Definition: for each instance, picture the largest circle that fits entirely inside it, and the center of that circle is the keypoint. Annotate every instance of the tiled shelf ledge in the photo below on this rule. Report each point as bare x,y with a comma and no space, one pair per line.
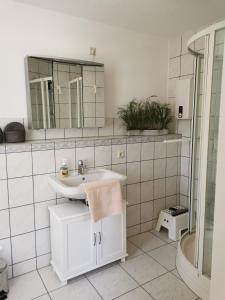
82,142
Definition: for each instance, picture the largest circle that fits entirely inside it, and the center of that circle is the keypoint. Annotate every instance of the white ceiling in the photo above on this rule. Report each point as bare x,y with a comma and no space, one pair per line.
159,17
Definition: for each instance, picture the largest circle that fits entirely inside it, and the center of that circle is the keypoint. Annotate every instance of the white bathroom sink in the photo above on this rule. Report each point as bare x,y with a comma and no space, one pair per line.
70,186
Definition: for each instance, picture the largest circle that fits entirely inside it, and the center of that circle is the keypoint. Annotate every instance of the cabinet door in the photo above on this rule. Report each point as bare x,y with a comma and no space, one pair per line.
81,245
111,240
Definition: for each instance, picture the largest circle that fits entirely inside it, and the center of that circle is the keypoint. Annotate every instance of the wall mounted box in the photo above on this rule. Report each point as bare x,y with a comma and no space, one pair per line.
184,98
79,245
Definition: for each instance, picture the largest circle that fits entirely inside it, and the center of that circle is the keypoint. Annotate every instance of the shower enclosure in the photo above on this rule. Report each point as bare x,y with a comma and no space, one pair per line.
194,256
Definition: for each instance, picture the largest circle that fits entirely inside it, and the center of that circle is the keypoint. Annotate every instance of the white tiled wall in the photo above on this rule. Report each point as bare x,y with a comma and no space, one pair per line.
181,65
151,167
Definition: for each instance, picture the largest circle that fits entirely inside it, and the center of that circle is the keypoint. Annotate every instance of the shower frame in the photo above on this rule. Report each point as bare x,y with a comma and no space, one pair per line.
193,275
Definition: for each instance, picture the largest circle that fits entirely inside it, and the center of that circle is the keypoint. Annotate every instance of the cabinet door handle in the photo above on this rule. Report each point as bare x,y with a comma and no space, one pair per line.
100,238
95,238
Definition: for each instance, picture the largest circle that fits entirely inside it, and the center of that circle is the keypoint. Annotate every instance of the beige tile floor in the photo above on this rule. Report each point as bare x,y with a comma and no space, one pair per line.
149,273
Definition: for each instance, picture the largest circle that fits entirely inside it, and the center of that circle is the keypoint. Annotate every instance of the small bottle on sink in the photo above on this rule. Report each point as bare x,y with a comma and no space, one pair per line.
64,171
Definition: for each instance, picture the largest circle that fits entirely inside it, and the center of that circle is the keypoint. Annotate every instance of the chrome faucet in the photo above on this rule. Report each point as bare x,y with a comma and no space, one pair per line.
80,167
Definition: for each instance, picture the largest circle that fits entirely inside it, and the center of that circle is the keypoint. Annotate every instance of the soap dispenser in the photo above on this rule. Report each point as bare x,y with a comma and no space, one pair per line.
64,171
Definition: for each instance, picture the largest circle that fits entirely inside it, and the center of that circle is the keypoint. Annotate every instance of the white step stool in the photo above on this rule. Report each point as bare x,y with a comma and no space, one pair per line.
174,224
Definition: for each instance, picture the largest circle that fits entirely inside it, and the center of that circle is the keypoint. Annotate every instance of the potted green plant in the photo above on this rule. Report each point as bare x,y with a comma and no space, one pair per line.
132,116
146,117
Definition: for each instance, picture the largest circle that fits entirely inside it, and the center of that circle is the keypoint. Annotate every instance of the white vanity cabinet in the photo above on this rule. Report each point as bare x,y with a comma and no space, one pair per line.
79,245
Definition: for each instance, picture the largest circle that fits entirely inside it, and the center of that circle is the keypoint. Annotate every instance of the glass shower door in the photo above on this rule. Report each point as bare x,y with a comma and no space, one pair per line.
195,155
212,150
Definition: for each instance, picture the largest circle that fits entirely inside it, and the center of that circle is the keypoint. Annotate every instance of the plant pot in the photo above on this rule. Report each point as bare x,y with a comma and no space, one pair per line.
133,132
155,132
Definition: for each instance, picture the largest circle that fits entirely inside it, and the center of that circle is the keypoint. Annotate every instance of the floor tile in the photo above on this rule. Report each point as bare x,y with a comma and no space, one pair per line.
80,289
162,234
137,294
143,268
174,244
50,278
133,250
26,287
166,256
44,297
168,287
146,241
176,274
112,282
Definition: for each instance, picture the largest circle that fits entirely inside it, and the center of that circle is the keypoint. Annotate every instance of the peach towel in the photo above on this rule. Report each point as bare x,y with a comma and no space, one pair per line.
104,198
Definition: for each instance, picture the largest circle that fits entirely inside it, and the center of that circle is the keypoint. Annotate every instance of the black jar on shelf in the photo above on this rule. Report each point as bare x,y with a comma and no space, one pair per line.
14,133
1,136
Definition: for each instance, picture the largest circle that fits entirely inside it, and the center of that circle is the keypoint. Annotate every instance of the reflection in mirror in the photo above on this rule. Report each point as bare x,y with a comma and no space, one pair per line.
65,94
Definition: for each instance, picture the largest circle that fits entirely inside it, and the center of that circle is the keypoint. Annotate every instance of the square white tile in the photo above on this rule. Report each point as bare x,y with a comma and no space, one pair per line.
162,234
133,193
116,149
171,185
22,219
4,224
26,287
87,155
160,150
146,191
19,164
42,214
103,156
43,241
133,172
80,289
133,215
166,256
147,226
133,230
147,170
44,297
43,260
159,188
171,166
146,241
133,152
24,267
3,174
143,268
42,189
50,279
132,250
4,194
171,149
90,122
23,247
168,287
43,162
20,191
171,200
54,133
147,151
137,294
146,211
112,282
159,168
